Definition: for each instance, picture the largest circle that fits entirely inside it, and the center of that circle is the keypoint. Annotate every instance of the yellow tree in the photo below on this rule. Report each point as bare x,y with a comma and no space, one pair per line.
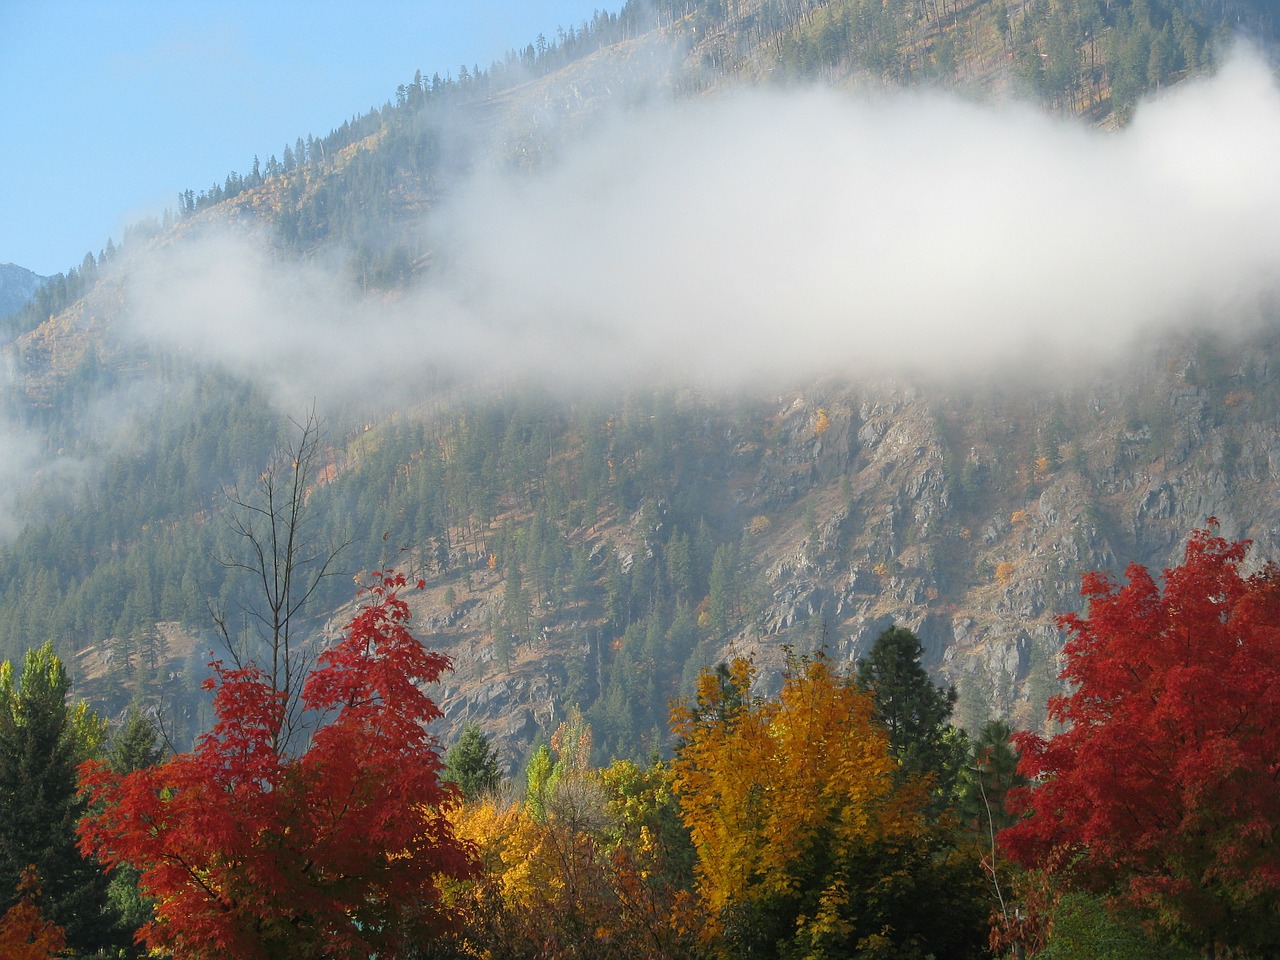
584,868
807,844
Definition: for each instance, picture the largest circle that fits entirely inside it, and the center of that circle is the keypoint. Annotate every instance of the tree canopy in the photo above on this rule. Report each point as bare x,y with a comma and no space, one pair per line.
337,851
808,842
1161,791
911,708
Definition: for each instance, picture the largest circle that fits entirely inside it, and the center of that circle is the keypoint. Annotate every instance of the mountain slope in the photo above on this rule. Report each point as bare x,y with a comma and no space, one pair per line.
598,546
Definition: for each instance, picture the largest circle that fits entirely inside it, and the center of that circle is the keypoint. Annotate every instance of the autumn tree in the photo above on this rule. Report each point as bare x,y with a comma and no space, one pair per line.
808,842
337,850
25,933
589,866
1161,791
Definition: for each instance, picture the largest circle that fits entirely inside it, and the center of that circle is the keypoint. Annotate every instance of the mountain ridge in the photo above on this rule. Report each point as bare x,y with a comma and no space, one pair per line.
18,286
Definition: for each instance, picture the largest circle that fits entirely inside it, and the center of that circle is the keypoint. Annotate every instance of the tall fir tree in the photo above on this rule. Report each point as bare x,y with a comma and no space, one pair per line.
912,710
42,741
473,763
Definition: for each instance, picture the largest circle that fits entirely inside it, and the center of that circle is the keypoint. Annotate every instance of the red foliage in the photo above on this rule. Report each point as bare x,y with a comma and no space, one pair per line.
1163,788
338,851
25,934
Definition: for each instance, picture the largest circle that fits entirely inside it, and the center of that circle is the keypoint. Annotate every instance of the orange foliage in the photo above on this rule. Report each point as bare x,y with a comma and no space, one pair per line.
768,788
25,934
1004,571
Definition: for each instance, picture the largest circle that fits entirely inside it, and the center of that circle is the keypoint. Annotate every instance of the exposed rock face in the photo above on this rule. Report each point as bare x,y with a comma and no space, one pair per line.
971,520
966,517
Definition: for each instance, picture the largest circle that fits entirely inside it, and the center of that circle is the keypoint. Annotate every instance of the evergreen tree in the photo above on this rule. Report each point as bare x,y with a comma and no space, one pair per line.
911,708
134,746
42,741
473,763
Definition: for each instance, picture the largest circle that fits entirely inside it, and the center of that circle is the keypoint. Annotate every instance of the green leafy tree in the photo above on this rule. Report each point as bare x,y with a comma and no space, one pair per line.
1085,928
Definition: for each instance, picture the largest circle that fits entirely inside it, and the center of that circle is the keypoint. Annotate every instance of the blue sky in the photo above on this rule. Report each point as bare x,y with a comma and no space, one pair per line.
109,109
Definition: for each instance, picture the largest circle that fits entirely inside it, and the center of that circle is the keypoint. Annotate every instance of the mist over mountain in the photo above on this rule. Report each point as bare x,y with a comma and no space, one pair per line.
708,331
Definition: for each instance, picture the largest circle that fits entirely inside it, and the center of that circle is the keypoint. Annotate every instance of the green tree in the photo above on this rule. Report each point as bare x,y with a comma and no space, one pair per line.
473,763
991,771
134,746
722,603
42,740
539,781
912,709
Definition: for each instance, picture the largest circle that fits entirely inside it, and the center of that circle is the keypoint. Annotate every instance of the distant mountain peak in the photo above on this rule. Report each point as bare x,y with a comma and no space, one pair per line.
17,286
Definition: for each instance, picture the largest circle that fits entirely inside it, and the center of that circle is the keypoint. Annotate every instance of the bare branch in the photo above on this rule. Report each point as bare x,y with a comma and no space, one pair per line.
286,565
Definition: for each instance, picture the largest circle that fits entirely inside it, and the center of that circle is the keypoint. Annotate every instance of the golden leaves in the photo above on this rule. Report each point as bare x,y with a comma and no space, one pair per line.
770,786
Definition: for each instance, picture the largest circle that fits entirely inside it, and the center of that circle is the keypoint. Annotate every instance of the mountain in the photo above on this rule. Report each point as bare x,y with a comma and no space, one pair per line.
17,287
495,293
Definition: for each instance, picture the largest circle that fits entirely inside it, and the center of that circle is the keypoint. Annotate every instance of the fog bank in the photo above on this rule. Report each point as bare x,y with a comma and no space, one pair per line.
782,235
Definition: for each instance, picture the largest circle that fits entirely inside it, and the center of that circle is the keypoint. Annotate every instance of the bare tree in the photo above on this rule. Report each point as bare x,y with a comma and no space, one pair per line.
287,561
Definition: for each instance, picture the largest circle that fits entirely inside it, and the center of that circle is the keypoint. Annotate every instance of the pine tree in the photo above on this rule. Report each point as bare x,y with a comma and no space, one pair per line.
912,709
473,763
42,741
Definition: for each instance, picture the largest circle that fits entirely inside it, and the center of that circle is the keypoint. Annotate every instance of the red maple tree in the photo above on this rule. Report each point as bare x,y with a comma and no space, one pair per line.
1164,789
339,851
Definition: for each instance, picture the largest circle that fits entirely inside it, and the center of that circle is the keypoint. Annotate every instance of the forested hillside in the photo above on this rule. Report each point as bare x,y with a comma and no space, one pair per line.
598,549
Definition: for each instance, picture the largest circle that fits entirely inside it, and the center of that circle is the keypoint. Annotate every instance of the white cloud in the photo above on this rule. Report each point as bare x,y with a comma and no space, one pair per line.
785,234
